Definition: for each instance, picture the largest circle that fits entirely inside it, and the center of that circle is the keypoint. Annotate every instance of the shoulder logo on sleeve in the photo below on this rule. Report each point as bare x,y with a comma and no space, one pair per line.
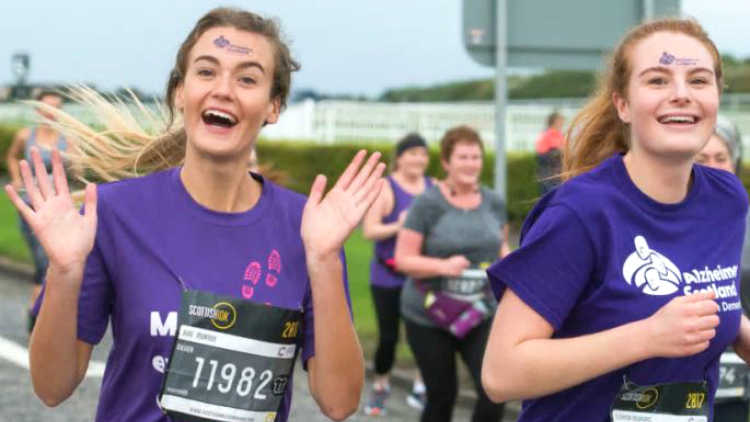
650,271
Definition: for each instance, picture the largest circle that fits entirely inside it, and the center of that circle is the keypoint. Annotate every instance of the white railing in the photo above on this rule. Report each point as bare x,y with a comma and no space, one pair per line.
348,121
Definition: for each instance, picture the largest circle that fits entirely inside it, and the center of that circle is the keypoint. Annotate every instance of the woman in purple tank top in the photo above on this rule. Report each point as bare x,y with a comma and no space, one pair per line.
381,224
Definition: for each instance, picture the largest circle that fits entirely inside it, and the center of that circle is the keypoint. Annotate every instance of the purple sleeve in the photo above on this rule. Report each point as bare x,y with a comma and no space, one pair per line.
308,334
552,268
96,296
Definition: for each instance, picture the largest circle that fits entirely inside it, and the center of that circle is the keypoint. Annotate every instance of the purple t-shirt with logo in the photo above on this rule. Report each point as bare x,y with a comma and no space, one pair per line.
598,253
150,232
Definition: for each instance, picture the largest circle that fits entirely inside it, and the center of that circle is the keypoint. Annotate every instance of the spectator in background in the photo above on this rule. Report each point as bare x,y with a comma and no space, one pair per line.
452,231
381,224
549,152
724,151
46,138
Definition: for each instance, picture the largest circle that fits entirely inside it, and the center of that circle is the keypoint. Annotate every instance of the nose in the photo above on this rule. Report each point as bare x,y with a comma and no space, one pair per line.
681,93
222,88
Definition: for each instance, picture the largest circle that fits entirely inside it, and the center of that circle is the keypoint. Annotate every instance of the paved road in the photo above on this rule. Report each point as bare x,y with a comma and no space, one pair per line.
19,404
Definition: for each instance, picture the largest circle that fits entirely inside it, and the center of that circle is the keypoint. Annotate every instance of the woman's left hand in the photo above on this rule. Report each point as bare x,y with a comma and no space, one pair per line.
327,221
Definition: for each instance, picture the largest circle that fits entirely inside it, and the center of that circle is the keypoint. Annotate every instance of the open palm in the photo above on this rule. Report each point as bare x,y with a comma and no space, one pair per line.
327,221
66,235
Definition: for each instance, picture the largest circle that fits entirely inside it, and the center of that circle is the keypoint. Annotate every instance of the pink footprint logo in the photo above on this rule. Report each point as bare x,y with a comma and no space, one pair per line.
247,291
252,272
274,261
271,280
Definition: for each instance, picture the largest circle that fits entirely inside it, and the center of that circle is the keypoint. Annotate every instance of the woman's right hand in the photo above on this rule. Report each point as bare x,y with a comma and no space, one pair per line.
455,265
66,235
684,326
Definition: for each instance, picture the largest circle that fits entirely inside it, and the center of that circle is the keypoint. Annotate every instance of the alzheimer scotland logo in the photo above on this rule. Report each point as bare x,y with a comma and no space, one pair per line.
654,274
650,271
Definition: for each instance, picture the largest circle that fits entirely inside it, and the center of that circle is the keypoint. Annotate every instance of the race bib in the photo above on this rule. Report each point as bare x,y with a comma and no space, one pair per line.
675,402
471,285
733,377
231,361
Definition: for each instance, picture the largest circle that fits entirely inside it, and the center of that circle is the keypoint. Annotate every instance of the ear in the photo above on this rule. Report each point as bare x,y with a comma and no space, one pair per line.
445,165
179,97
274,110
622,106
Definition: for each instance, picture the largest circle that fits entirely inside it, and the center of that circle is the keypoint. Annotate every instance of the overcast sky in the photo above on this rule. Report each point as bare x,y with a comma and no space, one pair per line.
345,46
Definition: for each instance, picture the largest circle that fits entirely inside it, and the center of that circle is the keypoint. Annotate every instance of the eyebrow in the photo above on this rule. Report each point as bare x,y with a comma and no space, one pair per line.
662,69
241,66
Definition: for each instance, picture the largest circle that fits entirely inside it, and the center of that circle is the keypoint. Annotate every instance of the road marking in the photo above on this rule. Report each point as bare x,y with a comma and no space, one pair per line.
19,355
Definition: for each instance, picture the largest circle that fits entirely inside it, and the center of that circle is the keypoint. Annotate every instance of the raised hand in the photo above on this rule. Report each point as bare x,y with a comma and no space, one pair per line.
327,221
684,326
66,235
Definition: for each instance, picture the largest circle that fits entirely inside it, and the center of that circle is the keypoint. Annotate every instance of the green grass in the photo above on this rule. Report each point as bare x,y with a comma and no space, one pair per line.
12,244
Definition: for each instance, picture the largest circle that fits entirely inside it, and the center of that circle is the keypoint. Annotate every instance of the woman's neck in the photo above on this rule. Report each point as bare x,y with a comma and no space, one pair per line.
224,187
664,180
460,189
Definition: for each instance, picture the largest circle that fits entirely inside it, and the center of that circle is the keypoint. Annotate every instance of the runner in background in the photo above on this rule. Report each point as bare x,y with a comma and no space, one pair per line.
45,138
250,272
724,151
623,294
381,224
549,153
451,233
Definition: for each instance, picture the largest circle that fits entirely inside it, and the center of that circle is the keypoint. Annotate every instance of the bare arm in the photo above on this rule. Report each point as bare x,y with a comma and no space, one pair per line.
373,227
58,359
336,373
409,258
12,158
522,360
742,343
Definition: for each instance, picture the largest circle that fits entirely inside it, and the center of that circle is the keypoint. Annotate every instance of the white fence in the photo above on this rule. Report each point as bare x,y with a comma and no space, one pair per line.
344,121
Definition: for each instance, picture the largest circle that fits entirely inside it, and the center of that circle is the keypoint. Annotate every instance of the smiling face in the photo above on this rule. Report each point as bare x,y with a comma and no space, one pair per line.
225,98
672,96
413,162
465,164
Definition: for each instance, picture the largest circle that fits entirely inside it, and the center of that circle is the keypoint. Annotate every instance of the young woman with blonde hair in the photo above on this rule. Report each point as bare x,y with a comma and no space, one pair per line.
623,294
211,277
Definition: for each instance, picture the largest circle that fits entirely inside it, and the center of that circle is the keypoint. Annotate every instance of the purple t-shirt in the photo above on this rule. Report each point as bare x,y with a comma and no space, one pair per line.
150,231
598,253
380,274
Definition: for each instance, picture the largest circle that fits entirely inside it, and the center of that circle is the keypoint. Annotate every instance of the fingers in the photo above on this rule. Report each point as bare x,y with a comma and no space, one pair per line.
89,203
42,178
373,193
316,190
351,170
697,297
362,194
58,174
365,173
28,182
21,206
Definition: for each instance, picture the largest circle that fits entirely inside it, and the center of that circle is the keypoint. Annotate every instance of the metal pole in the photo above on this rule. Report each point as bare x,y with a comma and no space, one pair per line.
501,96
648,10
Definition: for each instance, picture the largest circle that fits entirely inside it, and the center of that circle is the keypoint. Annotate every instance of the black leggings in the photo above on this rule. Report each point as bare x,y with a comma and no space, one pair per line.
388,310
435,351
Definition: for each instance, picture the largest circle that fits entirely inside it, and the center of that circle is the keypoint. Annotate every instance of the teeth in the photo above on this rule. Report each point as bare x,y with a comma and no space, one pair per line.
678,119
219,114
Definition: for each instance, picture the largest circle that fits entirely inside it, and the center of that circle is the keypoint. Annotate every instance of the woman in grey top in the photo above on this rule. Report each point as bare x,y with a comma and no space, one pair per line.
451,233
